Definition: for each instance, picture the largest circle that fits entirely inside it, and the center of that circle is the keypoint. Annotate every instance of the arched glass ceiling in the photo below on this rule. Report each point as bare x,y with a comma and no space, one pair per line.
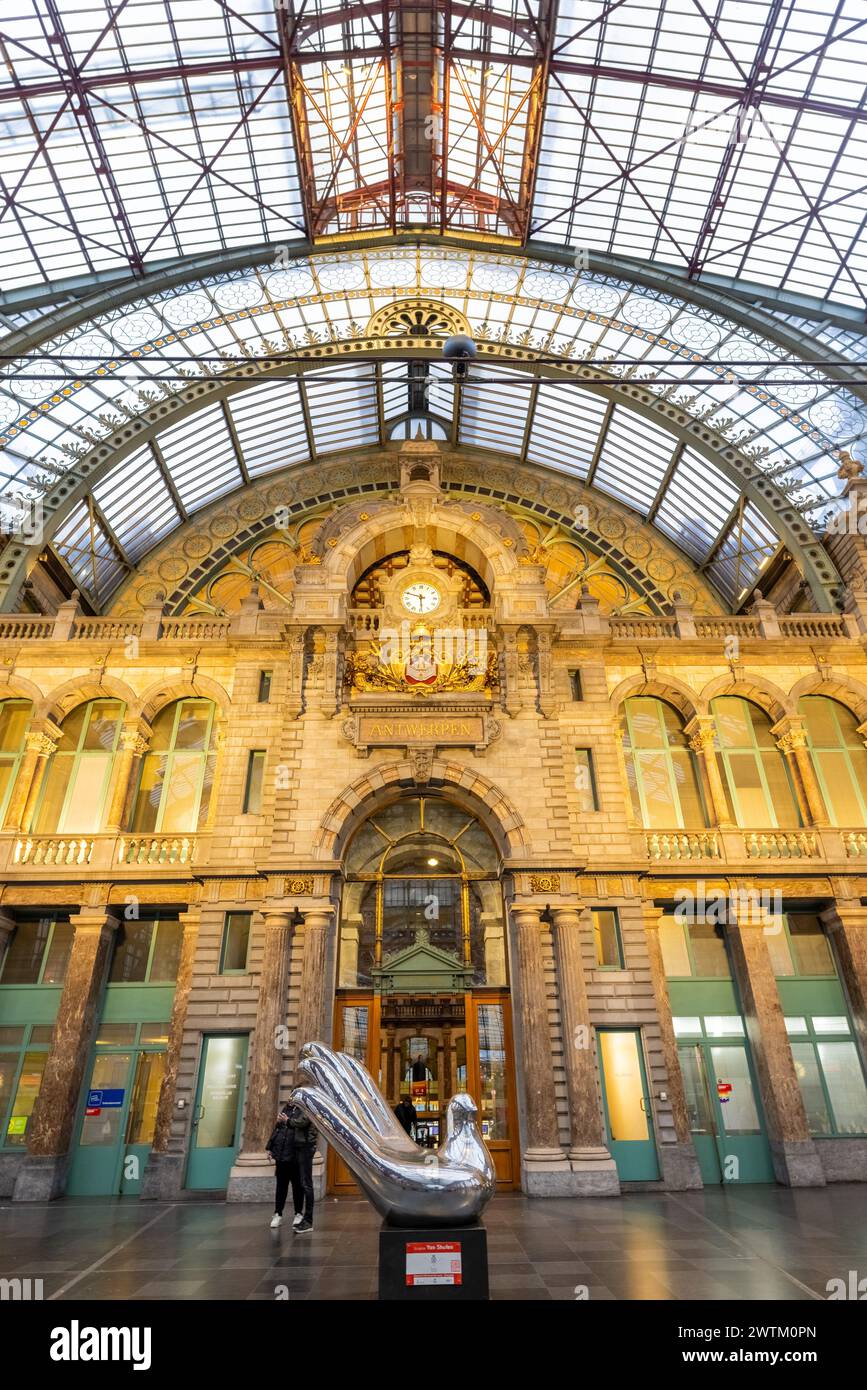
724,140
79,386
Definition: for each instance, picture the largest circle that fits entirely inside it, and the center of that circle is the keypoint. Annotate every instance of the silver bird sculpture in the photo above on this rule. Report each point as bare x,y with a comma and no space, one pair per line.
407,1185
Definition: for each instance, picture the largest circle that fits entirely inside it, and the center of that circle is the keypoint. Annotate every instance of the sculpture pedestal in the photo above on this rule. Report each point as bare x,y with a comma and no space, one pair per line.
447,1264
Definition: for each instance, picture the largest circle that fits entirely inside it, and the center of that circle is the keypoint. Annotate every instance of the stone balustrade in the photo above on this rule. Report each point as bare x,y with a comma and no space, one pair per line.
101,852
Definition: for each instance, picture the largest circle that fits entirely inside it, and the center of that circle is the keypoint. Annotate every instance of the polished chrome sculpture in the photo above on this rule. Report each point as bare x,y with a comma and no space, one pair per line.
407,1185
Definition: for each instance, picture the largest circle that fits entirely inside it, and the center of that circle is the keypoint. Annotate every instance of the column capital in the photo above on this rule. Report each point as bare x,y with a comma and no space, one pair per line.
701,732
653,915
568,917
90,918
526,915
318,916
845,914
135,736
790,732
276,918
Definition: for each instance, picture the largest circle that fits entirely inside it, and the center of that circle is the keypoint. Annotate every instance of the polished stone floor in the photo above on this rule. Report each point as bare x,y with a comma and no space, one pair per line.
754,1243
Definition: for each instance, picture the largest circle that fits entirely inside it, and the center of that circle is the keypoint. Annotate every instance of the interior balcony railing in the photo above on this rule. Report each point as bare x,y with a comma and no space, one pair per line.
111,853
733,846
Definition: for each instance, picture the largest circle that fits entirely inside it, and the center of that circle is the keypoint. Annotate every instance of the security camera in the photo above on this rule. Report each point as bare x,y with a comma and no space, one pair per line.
460,351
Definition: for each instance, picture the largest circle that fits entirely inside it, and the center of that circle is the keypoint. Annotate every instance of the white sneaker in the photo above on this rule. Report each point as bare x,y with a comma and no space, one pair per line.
276,1220
298,1218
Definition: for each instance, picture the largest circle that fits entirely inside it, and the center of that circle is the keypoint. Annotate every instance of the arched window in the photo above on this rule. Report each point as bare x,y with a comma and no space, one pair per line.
661,767
14,718
839,757
75,786
177,773
753,770
422,870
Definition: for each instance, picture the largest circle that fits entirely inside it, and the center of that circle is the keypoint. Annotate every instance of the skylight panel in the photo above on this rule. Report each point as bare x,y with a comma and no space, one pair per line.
633,460
137,504
696,504
565,429
200,458
269,423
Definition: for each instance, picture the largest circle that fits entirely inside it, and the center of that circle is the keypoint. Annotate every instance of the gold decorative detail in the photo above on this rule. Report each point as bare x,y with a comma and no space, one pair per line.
41,744
372,671
544,883
301,884
364,516
426,318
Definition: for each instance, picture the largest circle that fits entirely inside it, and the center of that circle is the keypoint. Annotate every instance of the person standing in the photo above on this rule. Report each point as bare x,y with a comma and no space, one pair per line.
292,1146
406,1115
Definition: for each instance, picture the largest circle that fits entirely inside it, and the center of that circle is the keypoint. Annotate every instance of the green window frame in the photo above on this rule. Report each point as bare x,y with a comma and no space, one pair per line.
164,941
607,939
585,780
254,781
236,927
846,757
811,1052
654,743
56,949
169,765
15,718
784,950
685,946
760,752
29,1049
60,808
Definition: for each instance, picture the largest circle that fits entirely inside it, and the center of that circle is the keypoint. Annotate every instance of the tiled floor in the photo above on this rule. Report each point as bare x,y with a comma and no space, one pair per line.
756,1243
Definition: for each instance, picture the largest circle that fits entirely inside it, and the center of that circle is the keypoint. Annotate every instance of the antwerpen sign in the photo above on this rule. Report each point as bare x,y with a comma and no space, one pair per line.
390,728
376,730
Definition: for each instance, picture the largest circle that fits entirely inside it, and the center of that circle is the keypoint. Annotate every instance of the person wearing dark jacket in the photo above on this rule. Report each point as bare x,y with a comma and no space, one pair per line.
406,1115
292,1146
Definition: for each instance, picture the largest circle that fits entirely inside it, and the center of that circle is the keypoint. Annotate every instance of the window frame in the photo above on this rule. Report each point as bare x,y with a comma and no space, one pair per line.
155,922
814,1037
591,771
38,983
833,974
618,938
15,757
169,754
694,975
23,1049
724,752
224,941
252,755
78,755
842,747
633,754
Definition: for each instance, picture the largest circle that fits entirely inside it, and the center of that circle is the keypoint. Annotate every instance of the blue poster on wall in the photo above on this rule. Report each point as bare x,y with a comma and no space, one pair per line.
105,1100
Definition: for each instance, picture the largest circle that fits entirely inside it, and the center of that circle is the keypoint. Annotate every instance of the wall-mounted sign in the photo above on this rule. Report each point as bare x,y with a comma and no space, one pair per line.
105,1100
724,1091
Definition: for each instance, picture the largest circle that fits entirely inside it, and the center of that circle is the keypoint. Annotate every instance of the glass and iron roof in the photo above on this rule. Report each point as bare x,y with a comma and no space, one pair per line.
707,147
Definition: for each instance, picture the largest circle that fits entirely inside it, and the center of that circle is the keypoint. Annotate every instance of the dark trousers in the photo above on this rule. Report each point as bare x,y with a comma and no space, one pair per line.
297,1171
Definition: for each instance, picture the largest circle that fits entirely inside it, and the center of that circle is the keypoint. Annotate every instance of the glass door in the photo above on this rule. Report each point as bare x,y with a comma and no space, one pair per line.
491,1080
354,1034
141,1119
702,1113
741,1143
216,1129
96,1163
627,1105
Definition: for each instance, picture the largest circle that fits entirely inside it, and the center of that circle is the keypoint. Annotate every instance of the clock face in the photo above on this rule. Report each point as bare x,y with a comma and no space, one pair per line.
420,598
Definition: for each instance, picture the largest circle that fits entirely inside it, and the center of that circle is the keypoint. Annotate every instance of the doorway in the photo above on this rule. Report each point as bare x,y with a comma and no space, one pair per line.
425,1048
727,1130
627,1104
216,1124
119,1108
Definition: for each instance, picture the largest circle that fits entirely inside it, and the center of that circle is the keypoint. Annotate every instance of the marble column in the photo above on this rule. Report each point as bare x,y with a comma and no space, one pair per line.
846,924
794,1153
252,1175
592,1164
791,739
164,1172
313,1025
546,1169
39,744
42,1176
701,731
133,744
679,1160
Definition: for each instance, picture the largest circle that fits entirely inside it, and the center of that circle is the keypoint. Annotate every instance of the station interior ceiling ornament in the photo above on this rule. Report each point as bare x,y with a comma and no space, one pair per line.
235,239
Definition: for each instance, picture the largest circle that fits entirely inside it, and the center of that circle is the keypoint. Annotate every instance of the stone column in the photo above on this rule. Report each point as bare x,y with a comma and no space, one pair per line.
39,744
164,1172
679,1161
42,1176
592,1164
315,991
701,731
134,740
546,1169
846,923
795,1156
791,739
252,1175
